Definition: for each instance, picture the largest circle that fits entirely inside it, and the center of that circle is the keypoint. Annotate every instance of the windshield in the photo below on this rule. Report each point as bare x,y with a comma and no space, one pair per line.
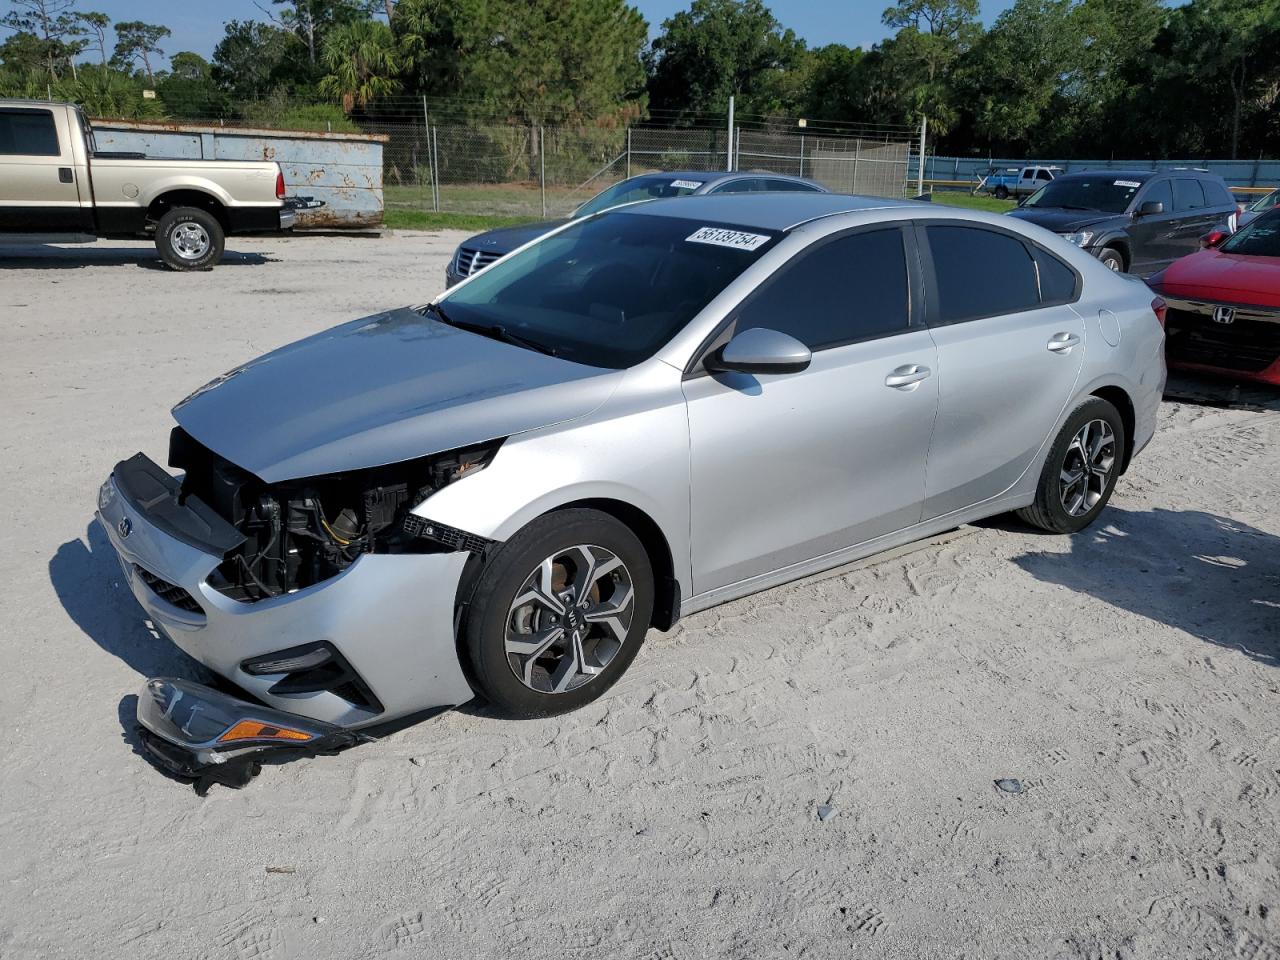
1107,193
647,187
1259,239
1265,203
609,291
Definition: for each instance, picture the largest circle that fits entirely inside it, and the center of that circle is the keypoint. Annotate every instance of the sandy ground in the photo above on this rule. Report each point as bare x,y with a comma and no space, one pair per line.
1128,676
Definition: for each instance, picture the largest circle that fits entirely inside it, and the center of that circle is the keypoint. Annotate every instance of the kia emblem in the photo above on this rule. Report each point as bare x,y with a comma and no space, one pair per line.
125,526
1224,315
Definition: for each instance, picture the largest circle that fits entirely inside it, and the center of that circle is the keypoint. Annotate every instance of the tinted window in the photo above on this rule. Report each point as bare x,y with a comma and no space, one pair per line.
1160,192
789,185
847,289
1106,192
746,185
1259,239
1216,194
28,133
644,187
1043,175
1266,202
1187,194
1057,280
609,291
981,273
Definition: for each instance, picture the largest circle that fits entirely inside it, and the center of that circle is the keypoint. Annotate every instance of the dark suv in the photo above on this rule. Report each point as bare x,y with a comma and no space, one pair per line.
1133,221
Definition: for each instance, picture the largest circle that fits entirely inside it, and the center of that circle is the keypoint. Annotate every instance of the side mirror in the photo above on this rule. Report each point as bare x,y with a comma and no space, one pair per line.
1213,239
1150,208
759,350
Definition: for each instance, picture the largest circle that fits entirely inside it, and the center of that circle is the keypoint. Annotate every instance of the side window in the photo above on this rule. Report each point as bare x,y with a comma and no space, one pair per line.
791,186
1043,175
744,185
1160,192
1215,194
1187,194
847,289
981,273
28,133
1057,280
1027,174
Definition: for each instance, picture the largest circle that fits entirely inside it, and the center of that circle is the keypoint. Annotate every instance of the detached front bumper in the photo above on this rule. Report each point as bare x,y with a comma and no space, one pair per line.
389,617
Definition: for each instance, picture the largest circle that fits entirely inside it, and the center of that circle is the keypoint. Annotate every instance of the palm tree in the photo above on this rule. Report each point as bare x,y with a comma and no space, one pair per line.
361,61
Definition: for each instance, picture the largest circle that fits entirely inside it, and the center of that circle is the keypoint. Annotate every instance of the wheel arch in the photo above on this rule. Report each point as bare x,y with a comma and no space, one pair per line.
1120,244
188,197
1119,398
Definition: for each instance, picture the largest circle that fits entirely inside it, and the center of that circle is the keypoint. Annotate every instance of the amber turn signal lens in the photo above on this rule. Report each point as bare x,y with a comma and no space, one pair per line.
253,730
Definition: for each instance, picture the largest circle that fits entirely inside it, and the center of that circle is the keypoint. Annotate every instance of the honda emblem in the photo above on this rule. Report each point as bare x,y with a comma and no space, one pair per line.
1224,315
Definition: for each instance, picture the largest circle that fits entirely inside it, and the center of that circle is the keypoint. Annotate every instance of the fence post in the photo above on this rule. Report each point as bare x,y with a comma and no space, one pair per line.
802,154
924,127
435,167
729,162
628,152
857,151
542,167
426,125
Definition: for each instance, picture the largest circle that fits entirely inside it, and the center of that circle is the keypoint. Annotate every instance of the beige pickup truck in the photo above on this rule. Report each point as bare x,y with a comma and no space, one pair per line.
55,187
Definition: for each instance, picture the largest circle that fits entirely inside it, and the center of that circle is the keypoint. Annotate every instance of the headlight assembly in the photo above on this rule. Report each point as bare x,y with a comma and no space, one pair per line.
1080,239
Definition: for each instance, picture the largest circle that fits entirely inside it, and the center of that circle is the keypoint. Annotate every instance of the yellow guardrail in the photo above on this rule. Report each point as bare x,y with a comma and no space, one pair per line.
971,185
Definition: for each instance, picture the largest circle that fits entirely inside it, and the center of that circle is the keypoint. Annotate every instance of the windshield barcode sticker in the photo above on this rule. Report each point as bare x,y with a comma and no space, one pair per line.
719,237
1127,183
686,184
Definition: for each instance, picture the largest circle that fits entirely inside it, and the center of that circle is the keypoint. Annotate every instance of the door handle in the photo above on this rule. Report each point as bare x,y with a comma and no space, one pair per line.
65,175
1063,342
907,376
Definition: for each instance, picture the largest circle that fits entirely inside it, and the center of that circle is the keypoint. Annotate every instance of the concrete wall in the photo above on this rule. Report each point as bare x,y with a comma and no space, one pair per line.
342,169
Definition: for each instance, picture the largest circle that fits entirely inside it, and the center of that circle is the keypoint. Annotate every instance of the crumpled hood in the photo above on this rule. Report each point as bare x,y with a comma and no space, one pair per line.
381,390
1062,221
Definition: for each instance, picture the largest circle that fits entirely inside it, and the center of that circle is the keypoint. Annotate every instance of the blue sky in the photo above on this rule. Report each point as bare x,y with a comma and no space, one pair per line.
197,24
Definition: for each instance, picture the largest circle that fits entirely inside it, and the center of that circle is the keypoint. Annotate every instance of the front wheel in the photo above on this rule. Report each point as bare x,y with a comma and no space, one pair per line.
559,613
189,238
1002,192
1112,260
1081,470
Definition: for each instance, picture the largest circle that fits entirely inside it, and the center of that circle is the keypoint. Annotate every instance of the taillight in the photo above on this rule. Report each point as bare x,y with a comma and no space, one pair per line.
279,185
1159,308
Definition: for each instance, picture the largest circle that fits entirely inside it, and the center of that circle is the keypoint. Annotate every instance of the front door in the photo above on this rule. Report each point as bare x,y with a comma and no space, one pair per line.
1155,241
791,467
38,189
1009,356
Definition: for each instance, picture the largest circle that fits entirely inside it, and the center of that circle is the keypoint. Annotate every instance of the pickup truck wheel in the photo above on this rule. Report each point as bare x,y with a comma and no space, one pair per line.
1112,260
189,238
1001,192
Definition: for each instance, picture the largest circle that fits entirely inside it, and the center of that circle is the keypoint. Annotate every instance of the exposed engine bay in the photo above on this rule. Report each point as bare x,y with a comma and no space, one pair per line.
302,532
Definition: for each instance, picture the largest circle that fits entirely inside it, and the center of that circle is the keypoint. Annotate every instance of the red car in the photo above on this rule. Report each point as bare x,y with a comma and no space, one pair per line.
1224,304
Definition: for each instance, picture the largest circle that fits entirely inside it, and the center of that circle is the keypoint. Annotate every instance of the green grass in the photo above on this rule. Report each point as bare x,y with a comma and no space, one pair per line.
400,219
958,198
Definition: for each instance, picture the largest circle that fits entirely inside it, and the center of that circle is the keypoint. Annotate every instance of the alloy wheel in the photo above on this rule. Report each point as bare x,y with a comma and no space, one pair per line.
569,619
190,240
1086,468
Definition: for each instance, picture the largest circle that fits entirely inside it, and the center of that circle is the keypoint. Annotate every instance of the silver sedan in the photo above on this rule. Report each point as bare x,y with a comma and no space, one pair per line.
641,415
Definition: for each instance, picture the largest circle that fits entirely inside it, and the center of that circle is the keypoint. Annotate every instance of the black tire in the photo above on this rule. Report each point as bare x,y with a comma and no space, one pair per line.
189,238
489,614
1048,511
1001,192
1112,259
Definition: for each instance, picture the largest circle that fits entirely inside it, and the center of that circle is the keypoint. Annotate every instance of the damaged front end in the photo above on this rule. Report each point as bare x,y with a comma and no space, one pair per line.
200,734
302,532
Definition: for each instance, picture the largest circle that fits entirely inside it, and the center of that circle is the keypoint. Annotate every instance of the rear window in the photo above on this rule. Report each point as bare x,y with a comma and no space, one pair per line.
981,273
609,291
1216,194
1057,280
28,133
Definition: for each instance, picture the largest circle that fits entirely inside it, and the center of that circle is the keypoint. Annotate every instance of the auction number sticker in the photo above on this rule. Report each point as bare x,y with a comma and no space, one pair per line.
686,184
1127,183
719,237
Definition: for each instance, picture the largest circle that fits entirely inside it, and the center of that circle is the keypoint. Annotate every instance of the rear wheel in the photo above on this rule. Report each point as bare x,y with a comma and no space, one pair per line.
1081,470
1112,259
1002,192
189,238
559,613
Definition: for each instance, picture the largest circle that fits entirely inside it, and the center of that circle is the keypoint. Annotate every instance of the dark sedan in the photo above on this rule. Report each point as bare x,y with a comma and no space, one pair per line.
484,248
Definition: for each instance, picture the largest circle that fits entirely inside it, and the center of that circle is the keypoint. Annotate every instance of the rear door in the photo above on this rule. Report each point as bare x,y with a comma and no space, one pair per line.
1155,239
790,467
38,189
1009,354
1195,217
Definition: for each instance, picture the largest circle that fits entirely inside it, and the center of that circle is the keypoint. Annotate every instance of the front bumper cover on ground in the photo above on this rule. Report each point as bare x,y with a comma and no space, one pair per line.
198,733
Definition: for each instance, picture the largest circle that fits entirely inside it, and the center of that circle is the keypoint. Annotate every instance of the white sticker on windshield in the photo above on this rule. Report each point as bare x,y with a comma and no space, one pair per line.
686,184
720,237
1127,183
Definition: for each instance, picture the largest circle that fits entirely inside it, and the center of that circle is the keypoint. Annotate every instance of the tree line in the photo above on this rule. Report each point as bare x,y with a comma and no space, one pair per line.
1049,77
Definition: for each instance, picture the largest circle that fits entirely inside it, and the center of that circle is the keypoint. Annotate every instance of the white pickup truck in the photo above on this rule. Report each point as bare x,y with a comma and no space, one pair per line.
1013,182
56,188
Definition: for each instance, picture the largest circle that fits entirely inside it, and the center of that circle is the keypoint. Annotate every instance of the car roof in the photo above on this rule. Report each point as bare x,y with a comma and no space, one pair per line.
1142,175
763,211
708,177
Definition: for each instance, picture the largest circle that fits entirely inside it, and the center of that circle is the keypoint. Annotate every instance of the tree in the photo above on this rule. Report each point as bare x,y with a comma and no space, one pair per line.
251,59
188,90
932,36
54,26
309,20
361,63
136,41
95,24
833,84
717,49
